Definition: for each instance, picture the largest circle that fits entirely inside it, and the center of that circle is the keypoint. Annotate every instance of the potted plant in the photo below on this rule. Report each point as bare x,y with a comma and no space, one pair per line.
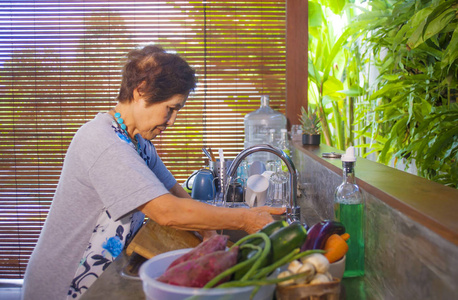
311,127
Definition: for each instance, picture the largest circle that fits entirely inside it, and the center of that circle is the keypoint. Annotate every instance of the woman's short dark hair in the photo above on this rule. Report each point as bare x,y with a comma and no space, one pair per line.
157,74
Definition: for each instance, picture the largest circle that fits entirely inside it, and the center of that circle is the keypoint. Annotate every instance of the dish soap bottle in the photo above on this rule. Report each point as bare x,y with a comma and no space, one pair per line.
349,209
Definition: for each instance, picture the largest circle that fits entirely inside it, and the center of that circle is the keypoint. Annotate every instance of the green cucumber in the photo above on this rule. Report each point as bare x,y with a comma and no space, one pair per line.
269,229
286,240
274,226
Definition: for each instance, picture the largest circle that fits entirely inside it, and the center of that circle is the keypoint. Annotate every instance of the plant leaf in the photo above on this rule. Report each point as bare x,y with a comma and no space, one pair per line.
313,73
387,89
315,14
337,47
354,91
432,25
416,38
326,100
332,86
409,28
442,140
451,52
336,6
439,23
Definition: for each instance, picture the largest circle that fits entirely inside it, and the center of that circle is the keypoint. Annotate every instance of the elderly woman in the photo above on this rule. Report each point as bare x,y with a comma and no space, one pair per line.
112,177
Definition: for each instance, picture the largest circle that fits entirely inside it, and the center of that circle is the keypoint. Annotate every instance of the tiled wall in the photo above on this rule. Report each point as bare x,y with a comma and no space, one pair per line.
404,260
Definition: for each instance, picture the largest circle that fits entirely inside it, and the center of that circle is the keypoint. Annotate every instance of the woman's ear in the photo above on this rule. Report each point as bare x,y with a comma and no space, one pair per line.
138,91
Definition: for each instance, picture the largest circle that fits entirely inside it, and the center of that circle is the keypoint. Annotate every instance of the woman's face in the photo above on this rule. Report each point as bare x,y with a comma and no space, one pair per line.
151,120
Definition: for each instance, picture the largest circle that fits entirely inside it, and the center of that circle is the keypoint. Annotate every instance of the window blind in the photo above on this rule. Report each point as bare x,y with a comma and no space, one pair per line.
60,65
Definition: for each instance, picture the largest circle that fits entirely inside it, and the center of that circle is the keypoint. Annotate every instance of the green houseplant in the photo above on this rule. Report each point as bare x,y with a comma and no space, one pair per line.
335,71
311,127
412,101
387,81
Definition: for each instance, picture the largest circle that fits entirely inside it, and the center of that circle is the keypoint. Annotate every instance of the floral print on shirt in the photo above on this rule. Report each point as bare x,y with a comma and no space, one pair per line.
107,241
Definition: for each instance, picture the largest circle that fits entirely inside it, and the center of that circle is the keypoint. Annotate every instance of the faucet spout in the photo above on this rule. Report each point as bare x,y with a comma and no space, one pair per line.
293,211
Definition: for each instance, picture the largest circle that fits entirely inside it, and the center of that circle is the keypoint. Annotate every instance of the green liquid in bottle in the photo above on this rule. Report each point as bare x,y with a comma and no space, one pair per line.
352,216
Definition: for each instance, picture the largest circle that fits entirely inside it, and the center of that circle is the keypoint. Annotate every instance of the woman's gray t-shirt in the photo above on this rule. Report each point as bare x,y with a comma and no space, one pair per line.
93,213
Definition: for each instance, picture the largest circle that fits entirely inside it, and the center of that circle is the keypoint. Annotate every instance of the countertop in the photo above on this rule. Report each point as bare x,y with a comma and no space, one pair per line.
429,203
113,285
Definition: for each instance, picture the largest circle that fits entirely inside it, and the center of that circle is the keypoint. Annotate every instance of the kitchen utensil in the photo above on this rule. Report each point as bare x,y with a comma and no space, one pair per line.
256,167
235,192
132,267
207,154
203,187
268,174
211,154
256,190
153,239
296,132
278,193
337,268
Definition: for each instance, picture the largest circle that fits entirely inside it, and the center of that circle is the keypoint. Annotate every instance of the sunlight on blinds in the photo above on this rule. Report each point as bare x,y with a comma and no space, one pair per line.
60,65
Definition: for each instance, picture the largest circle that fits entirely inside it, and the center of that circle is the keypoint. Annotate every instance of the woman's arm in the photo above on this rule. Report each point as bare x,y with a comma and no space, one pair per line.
189,214
177,190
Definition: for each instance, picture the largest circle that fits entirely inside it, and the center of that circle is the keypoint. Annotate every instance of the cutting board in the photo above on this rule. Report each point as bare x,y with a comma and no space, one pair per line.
153,239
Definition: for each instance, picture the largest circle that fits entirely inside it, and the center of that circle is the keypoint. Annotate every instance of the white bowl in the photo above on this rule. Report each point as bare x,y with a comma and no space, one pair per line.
337,268
155,290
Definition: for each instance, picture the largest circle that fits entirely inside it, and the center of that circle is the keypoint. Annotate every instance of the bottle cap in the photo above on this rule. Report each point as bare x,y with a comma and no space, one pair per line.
349,155
283,130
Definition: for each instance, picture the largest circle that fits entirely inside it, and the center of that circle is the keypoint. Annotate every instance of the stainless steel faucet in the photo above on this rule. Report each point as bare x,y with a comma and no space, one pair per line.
293,212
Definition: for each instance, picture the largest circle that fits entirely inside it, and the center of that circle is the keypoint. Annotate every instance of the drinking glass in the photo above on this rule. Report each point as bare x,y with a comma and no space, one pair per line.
278,192
296,132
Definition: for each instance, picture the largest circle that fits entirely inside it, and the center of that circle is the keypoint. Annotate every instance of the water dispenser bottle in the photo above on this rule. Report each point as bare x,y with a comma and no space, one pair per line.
257,125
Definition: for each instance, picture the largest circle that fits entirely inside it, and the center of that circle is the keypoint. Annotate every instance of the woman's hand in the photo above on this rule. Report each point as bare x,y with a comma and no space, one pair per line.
258,217
206,234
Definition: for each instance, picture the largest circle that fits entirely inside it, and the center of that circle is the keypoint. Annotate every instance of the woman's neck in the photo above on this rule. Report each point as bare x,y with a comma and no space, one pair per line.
126,115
